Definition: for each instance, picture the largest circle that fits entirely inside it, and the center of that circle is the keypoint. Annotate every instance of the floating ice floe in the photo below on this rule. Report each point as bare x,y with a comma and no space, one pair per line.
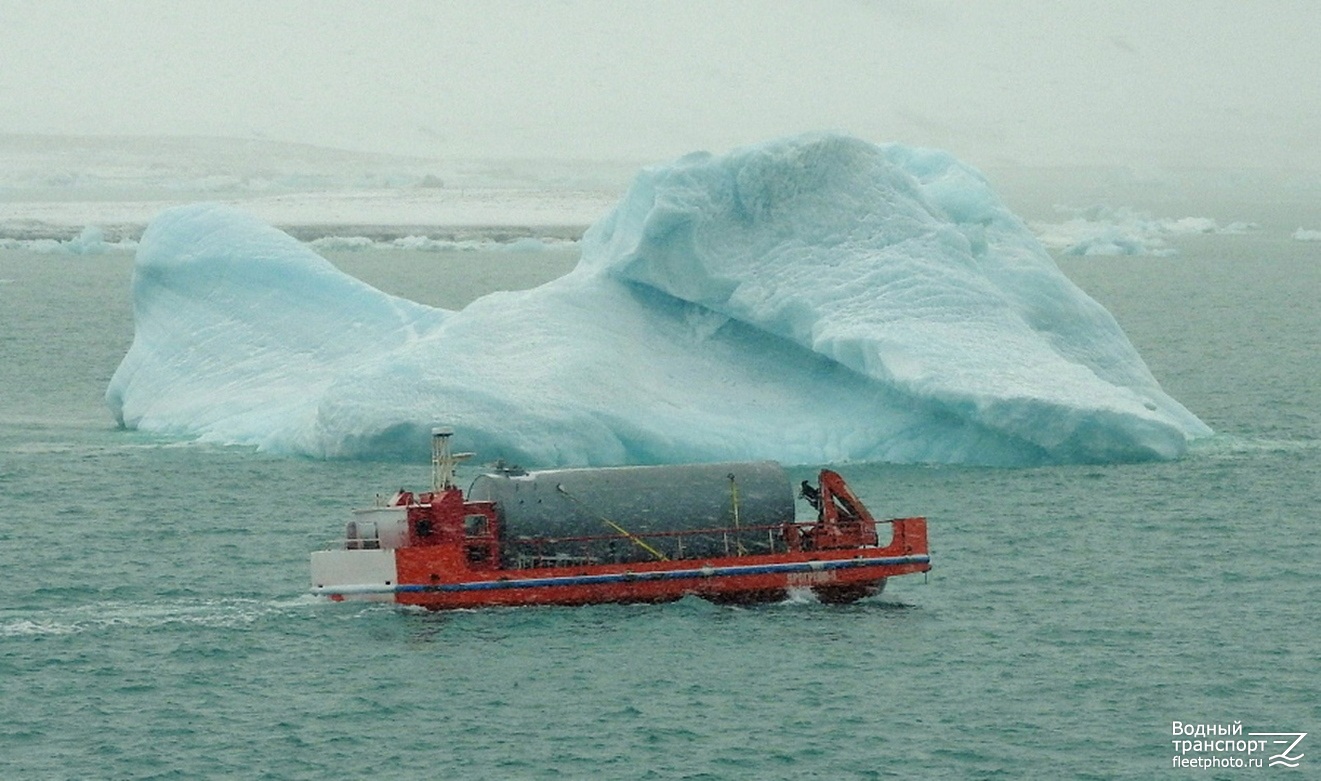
1101,230
91,241
814,299
1303,234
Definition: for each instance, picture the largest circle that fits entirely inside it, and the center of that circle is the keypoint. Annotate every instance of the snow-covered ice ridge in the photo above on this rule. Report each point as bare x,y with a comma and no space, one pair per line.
96,240
90,168
491,215
53,188
814,299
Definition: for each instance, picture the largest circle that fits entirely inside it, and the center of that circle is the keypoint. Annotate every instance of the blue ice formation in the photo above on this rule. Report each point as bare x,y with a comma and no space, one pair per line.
815,299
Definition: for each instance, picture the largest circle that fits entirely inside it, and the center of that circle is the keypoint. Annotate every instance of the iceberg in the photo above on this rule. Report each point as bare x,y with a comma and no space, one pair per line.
814,299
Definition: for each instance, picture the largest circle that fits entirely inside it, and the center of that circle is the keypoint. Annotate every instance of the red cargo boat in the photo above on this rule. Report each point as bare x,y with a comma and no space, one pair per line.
441,549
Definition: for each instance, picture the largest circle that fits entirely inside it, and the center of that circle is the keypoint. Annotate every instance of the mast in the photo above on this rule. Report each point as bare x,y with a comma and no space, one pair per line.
443,462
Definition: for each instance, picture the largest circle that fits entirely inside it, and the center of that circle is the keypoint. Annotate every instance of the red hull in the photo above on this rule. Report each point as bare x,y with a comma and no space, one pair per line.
836,576
441,551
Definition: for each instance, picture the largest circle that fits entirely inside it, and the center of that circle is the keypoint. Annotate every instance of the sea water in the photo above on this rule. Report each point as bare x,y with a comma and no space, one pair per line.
154,621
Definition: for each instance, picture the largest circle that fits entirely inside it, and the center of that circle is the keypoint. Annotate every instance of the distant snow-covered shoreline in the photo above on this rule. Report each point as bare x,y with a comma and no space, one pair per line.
500,219
381,214
55,189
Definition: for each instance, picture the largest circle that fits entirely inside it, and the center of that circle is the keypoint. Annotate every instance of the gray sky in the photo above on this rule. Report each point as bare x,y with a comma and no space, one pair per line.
1163,83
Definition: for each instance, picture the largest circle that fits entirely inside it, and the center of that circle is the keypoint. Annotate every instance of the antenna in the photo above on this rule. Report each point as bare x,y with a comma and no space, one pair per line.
443,461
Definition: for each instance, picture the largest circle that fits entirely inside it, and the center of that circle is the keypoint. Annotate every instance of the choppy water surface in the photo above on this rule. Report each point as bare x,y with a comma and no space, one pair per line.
153,622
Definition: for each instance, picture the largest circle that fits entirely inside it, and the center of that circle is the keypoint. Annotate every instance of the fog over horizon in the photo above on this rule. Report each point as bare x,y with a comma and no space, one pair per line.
999,84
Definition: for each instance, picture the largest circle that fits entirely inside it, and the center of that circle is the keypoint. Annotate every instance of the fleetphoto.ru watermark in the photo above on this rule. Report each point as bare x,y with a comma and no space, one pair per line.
1227,746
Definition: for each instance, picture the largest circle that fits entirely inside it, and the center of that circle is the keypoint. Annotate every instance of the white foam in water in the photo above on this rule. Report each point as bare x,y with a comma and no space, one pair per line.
101,616
813,299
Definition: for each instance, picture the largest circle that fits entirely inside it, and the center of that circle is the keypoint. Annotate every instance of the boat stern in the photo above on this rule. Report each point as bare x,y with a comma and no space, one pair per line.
368,575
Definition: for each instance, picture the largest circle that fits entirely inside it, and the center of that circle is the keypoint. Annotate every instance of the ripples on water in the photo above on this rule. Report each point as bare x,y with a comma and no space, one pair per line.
153,622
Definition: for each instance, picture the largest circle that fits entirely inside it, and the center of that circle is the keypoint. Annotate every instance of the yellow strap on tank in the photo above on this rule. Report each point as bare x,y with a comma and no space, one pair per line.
638,541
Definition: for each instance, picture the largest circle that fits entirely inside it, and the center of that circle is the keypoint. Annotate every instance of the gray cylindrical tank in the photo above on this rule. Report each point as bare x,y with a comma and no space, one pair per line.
560,503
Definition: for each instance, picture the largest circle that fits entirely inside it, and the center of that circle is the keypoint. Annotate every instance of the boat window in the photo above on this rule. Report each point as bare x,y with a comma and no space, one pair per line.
474,525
